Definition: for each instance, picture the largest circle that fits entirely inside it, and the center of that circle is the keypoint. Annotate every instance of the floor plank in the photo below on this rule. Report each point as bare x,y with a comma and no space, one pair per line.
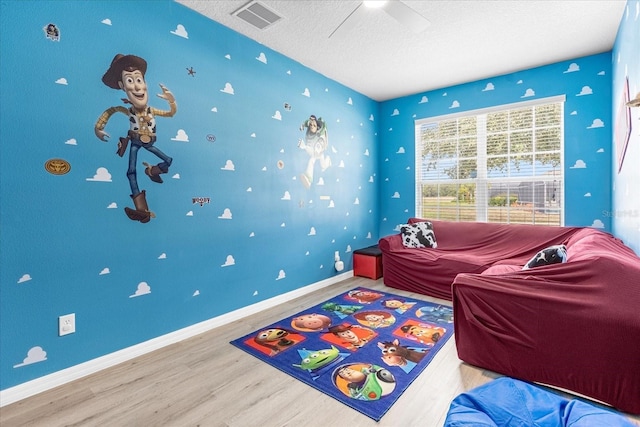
205,381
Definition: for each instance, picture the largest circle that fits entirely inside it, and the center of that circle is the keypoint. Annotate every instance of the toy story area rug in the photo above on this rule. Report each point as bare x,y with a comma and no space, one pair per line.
363,347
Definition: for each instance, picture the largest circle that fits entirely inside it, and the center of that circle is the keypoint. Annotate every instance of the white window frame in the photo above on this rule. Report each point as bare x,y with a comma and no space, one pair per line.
481,180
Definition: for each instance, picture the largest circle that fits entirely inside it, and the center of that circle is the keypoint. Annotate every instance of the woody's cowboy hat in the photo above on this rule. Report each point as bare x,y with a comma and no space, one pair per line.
120,63
634,102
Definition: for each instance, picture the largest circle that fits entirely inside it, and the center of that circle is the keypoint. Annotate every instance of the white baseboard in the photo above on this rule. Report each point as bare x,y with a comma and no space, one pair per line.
39,385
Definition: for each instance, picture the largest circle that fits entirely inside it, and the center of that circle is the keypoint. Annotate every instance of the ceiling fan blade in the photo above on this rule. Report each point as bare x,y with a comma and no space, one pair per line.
347,24
406,16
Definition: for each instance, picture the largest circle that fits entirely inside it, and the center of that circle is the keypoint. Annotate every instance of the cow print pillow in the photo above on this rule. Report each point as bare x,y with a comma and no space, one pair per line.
418,235
551,255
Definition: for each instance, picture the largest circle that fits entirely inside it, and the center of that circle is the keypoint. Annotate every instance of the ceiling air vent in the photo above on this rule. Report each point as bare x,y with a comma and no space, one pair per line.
257,14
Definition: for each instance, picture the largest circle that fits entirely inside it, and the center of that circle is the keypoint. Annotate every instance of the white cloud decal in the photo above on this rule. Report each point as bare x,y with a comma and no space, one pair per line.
597,123
180,31
102,175
580,164
228,88
586,90
24,278
529,92
573,67
34,355
181,136
143,289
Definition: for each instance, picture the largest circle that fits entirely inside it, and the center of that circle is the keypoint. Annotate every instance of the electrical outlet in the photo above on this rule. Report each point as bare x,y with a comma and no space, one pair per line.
66,324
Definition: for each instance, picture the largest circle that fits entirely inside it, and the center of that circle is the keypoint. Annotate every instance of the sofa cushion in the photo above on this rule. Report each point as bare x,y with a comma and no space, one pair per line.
551,255
418,235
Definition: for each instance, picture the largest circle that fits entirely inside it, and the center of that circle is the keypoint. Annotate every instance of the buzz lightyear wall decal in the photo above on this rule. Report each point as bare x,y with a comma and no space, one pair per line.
127,73
315,143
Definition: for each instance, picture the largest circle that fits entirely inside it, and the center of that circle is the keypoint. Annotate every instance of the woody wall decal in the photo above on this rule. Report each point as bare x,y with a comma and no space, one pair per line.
127,73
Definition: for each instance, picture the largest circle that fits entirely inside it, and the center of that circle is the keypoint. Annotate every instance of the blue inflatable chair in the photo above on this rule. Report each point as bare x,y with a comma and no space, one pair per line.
507,402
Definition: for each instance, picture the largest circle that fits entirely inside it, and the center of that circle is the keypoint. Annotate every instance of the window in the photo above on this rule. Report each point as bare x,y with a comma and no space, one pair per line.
502,164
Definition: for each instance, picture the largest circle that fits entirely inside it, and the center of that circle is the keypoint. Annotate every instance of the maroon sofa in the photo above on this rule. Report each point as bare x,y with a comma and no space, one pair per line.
574,325
463,247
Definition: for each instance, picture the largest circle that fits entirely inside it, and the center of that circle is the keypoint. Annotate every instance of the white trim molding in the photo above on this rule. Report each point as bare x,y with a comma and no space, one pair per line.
47,382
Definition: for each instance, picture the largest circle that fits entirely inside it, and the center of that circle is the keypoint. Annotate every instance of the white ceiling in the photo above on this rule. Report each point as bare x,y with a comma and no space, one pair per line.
467,40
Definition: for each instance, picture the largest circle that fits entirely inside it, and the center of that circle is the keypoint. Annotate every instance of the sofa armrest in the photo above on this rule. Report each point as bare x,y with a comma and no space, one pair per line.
391,243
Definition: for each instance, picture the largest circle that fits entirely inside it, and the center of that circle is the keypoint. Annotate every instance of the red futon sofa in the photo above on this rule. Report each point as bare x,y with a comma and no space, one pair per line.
573,325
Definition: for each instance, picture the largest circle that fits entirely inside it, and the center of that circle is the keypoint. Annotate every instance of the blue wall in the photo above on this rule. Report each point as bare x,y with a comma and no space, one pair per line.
67,245
626,191
586,82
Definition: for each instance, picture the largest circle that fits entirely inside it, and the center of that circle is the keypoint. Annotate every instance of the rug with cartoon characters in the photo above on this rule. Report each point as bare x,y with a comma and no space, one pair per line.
363,347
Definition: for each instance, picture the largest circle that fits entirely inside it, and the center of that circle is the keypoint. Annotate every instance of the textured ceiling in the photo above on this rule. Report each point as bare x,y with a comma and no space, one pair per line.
467,40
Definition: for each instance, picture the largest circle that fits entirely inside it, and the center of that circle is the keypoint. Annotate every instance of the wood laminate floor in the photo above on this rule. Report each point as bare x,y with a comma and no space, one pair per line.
205,381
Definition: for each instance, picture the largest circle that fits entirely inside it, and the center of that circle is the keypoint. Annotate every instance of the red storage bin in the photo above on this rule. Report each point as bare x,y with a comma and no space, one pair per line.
367,262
